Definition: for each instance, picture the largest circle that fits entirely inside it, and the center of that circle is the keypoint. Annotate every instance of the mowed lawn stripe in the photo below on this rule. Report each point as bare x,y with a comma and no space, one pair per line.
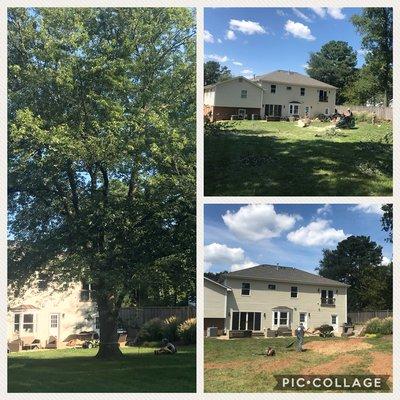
280,158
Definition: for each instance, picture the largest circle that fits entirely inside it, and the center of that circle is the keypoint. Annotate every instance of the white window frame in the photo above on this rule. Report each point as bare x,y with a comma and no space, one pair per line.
242,112
288,319
90,292
292,108
241,290
243,94
335,326
305,323
21,323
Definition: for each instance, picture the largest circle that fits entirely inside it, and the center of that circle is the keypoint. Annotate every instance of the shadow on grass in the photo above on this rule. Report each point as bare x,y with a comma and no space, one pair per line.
137,372
240,165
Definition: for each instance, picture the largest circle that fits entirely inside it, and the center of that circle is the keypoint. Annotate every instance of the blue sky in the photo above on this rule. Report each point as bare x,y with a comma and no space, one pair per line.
239,236
266,39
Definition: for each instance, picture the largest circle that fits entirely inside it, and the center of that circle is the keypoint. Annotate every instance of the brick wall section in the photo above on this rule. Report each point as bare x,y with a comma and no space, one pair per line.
224,113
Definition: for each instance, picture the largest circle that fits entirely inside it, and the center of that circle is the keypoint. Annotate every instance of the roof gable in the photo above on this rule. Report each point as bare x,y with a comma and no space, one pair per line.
236,78
277,273
292,78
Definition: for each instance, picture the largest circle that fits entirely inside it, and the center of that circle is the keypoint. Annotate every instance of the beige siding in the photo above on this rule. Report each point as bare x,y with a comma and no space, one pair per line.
74,315
214,300
263,300
209,96
283,97
228,94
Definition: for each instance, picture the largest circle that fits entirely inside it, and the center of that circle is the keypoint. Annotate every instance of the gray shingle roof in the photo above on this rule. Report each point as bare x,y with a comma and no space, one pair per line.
292,78
277,273
218,284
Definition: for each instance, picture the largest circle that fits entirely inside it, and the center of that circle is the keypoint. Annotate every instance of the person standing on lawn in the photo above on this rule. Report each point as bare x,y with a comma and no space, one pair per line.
300,337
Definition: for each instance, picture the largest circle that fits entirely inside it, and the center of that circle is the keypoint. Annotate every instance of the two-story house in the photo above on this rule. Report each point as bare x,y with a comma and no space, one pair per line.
271,296
274,95
45,311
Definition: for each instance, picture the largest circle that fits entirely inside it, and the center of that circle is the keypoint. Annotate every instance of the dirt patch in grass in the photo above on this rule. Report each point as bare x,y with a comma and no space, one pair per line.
332,367
382,364
336,346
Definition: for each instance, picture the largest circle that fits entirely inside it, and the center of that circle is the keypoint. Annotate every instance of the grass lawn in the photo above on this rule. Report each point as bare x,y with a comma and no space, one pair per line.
282,159
230,365
77,371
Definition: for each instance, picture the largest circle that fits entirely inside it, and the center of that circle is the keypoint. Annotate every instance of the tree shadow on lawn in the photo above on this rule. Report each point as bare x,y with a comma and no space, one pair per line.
239,165
136,372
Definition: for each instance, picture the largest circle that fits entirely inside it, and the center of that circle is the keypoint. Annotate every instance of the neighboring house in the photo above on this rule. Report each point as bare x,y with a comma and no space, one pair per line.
45,311
274,95
267,297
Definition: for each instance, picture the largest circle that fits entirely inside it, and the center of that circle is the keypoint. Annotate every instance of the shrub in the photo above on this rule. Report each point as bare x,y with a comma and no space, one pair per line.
216,128
325,330
379,326
170,328
151,331
187,331
363,116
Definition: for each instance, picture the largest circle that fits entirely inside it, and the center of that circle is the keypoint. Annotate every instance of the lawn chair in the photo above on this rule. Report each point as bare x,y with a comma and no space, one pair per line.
14,346
52,343
30,343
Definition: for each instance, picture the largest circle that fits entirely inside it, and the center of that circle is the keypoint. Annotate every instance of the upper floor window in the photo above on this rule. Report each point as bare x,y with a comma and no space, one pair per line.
302,91
323,95
288,88
87,292
327,297
245,289
273,88
293,291
271,286
243,94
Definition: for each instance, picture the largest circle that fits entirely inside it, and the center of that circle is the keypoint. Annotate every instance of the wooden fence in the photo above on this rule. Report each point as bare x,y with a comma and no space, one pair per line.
360,317
385,113
137,316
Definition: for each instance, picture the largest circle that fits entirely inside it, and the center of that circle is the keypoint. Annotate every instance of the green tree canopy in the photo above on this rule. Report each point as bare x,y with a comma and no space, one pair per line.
214,72
357,261
102,151
387,221
335,64
376,28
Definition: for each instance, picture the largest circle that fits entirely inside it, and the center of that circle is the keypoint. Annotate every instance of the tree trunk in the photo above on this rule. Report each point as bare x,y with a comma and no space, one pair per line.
109,346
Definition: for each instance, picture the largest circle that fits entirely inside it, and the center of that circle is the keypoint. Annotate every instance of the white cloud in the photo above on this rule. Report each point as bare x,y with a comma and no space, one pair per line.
216,57
281,13
246,27
301,14
245,264
208,37
237,63
335,13
230,35
219,40
298,30
363,52
320,11
250,76
247,71
386,261
258,221
368,208
220,254
317,233
326,209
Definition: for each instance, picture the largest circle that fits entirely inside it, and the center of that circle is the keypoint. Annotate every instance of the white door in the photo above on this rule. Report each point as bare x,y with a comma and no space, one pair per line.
304,319
335,322
54,329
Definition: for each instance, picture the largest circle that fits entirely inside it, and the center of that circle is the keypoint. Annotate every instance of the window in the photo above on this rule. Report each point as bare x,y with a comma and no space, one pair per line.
28,323
53,321
288,88
302,91
273,88
334,320
302,318
245,289
273,110
24,323
271,287
327,297
87,292
306,109
97,323
323,95
293,291
246,321
42,281
280,318
17,318
326,111
293,109
243,94
242,112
